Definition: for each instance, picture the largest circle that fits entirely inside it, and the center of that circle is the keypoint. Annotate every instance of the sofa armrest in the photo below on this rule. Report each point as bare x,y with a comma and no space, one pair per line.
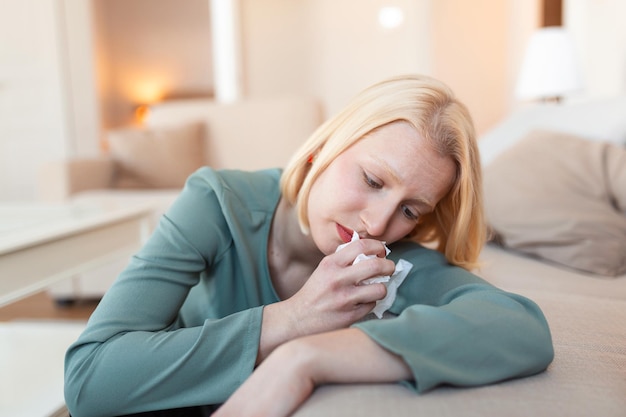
58,180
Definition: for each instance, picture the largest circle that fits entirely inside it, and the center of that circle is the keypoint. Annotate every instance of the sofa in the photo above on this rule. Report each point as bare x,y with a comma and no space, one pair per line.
149,164
555,197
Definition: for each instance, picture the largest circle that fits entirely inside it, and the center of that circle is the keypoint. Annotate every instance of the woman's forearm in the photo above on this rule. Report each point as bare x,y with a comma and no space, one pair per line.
349,356
288,376
345,355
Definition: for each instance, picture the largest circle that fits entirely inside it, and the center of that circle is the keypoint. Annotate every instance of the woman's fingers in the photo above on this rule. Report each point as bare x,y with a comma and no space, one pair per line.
371,268
373,251
368,247
369,294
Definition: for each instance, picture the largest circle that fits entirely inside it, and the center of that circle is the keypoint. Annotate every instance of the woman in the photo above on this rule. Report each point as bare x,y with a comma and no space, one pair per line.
241,297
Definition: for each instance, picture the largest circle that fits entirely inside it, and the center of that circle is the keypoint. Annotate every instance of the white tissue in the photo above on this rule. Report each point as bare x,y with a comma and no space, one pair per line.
391,282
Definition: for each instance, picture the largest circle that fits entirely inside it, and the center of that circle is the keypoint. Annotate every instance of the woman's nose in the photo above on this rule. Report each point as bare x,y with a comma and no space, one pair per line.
376,219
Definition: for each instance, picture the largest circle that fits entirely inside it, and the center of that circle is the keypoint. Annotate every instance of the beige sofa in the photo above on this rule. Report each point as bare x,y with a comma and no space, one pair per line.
149,164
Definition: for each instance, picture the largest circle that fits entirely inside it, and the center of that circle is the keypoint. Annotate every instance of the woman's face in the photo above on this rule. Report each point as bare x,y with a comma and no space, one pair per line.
378,187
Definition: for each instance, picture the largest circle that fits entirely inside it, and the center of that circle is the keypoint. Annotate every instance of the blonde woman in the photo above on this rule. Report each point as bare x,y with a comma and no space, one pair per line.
242,303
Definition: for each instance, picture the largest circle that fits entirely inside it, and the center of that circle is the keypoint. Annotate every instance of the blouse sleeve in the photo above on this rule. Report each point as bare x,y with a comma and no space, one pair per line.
133,356
454,328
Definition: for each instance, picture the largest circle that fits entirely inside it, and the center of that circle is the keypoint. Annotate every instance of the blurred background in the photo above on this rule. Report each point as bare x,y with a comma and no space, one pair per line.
72,69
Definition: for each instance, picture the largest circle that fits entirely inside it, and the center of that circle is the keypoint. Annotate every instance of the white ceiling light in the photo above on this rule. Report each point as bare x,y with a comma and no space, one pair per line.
390,17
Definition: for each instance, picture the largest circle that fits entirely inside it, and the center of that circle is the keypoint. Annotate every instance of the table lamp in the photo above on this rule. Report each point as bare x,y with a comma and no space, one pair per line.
550,68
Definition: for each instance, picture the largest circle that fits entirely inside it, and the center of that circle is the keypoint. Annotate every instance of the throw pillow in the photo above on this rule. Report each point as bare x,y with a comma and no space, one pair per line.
156,158
561,198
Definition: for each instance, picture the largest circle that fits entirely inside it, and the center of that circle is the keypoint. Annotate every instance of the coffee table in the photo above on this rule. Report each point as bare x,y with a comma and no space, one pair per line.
41,244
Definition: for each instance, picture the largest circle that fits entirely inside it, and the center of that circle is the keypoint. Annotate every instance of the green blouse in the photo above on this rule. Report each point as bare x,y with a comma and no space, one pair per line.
181,325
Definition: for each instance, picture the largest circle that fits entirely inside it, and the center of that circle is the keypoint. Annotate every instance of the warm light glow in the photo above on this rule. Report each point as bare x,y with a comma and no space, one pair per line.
141,113
390,17
145,90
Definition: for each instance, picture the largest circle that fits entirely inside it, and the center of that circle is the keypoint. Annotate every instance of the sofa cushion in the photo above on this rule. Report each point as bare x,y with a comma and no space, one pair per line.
161,157
561,198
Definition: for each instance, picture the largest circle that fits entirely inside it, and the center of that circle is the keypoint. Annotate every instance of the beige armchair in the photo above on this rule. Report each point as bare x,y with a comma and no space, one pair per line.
150,164
182,135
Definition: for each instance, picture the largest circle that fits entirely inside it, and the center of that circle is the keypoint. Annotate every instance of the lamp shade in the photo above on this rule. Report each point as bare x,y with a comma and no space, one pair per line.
550,68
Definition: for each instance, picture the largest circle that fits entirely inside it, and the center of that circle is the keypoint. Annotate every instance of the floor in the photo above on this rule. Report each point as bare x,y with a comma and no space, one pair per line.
22,326
41,306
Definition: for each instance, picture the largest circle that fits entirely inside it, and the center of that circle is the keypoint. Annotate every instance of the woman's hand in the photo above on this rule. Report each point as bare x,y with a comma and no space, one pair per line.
290,374
332,298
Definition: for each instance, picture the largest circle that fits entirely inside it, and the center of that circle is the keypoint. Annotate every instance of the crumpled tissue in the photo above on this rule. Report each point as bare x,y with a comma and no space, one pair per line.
392,282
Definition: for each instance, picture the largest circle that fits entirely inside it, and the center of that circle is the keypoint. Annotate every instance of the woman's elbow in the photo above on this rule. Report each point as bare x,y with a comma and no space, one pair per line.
76,370
538,341
544,349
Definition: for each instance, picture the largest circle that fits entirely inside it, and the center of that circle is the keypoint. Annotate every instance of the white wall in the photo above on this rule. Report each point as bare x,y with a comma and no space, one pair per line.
471,42
33,100
524,18
80,68
600,35
330,49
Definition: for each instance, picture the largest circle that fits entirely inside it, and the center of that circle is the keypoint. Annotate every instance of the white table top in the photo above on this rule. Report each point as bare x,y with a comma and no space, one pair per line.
41,244
27,224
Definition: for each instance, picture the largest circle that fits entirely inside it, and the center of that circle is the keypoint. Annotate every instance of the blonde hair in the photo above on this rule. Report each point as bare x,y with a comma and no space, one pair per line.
456,226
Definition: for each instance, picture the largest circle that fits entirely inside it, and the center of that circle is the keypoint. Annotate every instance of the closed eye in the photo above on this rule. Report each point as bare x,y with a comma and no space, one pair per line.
409,214
371,182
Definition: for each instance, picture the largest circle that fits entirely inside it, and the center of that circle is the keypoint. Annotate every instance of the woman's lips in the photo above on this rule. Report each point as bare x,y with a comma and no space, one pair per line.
344,233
